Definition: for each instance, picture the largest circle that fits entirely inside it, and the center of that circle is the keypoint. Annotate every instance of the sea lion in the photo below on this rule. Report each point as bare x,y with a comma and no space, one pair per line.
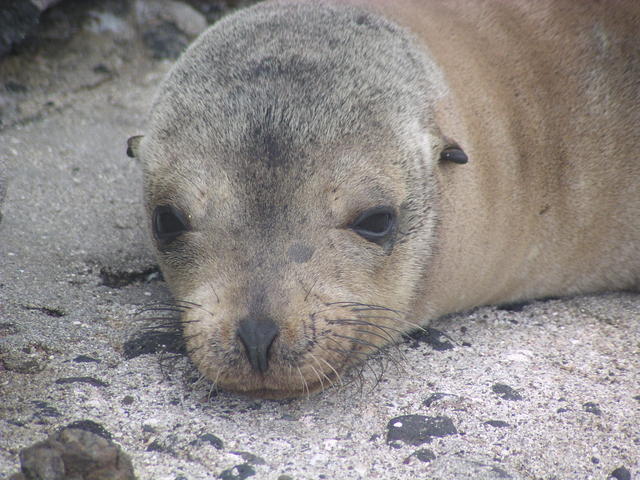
322,177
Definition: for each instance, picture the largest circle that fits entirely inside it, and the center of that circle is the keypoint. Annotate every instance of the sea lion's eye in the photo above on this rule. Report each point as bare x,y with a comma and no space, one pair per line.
168,223
454,154
375,224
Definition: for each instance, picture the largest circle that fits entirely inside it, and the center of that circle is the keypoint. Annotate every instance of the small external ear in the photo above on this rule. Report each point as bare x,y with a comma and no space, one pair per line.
132,146
453,154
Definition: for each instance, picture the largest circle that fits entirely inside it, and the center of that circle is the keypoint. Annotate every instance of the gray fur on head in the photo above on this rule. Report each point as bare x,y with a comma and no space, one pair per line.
293,74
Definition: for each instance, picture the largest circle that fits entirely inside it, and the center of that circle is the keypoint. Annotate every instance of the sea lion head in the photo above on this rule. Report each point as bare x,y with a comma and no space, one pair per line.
287,168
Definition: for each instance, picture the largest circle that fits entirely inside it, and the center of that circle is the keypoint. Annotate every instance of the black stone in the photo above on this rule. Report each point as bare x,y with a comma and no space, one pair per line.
620,473
210,439
121,278
418,429
156,446
154,341
91,426
497,423
592,407
90,380
250,458
434,338
434,397
165,40
425,455
17,19
239,472
506,392
85,359
513,307
45,410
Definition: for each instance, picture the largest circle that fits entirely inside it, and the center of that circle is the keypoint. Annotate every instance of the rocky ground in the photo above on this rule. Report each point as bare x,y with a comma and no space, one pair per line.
548,390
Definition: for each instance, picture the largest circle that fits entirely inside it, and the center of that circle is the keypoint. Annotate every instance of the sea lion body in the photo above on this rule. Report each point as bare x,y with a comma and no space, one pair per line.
298,181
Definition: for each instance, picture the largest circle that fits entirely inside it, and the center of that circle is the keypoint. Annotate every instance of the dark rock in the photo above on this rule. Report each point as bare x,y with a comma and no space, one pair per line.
73,453
7,328
434,397
165,41
148,428
513,307
497,423
46,410
423,454
432,337
250,458
506,392
85,359
592,407
156,446
89,380
211,440
127,400
418,429
161,340
18,362
239,472
637,397
17,19
49,311
121,278
595,460
91,426
620,473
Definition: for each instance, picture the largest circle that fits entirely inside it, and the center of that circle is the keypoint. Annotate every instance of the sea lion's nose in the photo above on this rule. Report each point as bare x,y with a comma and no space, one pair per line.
257,336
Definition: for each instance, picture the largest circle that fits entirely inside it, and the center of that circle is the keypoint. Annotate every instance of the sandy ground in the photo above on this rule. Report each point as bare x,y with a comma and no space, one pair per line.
547,391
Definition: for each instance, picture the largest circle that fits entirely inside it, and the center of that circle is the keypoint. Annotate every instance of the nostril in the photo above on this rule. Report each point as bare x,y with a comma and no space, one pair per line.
257,336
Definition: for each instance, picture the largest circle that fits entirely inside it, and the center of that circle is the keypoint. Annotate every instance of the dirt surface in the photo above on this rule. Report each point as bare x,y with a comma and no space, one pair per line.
548,390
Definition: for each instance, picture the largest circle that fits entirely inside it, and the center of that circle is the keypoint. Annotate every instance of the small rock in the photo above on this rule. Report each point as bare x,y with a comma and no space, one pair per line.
432,337
418,429
239,472
186,18
46,410
434,397
22,362
424,455
89,380
85,359
250,458
620,473
506,392
91,426
211,440
497,423
592,407
75,453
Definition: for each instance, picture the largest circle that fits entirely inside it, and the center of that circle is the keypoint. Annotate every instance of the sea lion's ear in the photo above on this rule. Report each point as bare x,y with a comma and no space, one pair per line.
132,146
453,153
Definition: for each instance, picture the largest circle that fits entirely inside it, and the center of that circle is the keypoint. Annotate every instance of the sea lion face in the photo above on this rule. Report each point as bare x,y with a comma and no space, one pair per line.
289,194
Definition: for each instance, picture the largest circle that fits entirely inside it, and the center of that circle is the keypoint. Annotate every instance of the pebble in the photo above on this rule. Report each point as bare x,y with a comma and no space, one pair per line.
418,429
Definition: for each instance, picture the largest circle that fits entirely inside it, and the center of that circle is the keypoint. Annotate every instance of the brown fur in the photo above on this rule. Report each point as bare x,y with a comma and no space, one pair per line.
284,122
